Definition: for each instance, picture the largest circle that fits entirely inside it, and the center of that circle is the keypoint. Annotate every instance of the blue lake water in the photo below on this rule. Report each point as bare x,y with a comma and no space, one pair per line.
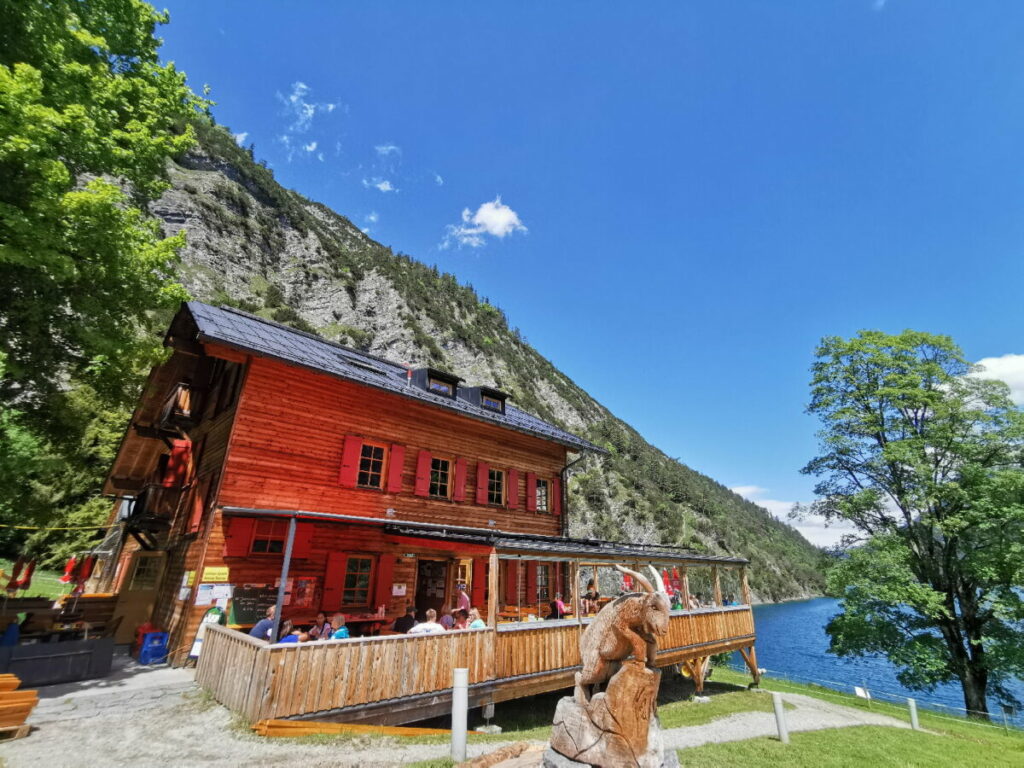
792,642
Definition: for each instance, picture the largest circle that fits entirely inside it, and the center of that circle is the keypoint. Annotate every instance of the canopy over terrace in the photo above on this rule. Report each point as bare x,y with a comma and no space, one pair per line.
518,576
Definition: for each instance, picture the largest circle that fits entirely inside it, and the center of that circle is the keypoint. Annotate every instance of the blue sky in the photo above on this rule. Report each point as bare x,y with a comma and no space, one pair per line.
674,201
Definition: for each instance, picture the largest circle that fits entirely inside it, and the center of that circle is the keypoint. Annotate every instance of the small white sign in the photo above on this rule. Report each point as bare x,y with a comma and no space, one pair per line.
398,590
862,693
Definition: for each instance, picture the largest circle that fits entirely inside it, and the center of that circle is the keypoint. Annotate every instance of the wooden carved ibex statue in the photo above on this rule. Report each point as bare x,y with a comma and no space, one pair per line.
629,625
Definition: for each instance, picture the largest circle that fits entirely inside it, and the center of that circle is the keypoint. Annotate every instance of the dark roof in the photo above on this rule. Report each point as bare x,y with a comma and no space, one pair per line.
506,541
244,331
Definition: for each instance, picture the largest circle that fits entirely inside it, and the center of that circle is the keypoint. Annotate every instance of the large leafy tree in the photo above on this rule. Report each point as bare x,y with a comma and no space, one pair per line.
88,119
926,461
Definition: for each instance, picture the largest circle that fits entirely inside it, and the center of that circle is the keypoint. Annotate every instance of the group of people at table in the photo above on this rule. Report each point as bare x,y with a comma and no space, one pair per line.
462,616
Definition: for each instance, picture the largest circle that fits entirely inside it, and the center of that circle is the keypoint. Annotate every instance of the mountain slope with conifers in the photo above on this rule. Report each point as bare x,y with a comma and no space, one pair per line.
255,245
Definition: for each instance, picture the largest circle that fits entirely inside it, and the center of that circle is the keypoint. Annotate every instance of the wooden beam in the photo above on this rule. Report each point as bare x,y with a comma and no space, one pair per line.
744,586
750,657
492,590
574,585
686,589
717,585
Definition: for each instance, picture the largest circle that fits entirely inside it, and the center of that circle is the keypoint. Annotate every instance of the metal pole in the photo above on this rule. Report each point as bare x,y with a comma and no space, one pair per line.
460,712
279,605
913,715
780,717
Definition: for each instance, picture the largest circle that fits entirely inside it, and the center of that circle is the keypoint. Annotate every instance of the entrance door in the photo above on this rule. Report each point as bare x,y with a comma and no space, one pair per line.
431,586
138,592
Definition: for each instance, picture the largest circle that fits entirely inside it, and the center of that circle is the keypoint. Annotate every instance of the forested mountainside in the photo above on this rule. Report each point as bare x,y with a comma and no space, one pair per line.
254,245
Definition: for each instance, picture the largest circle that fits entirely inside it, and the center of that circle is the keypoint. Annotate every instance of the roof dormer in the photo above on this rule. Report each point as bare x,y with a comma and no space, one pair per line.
487,398
435,381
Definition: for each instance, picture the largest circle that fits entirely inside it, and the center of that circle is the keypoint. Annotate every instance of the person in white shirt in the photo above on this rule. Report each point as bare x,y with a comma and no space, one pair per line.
428,627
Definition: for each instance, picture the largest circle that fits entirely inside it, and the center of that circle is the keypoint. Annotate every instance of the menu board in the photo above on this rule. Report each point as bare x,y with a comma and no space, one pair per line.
249,603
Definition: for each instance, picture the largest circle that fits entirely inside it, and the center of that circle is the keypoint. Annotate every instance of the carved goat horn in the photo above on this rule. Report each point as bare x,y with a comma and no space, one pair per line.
658,580
641,580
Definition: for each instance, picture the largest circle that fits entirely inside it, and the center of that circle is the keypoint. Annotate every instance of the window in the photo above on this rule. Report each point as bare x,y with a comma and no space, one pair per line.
227,378
542,495
543,590
371,466
269,536
491,403
441,387
146,573
358,573
440,474
495,486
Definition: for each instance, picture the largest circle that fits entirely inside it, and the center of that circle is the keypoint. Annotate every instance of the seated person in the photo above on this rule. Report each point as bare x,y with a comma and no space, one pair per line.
588,603
475,622
322,629
558,608
340,630
447,620
694,603
287,633
428,627
404,623
264,626
677,600
461,619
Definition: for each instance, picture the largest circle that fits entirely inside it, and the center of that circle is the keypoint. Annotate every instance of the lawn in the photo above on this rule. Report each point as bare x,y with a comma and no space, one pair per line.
44,583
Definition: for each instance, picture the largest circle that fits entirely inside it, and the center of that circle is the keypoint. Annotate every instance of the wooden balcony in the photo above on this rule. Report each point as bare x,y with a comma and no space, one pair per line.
401,678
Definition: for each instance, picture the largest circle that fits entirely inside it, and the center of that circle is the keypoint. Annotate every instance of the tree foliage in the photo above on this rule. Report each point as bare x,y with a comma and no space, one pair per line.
86,112
926,461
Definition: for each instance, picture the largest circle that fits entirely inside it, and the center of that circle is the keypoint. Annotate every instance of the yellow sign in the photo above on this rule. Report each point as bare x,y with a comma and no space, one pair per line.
215,574
189,580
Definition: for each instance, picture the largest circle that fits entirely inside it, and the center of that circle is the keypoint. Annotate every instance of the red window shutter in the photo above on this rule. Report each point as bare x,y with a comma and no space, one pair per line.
481,482
511,582
479,582
531,581
303,543
176,469
459,491
556,495
384,577
238,536
513,489
395,466
531,492
423,474
334,581
350,461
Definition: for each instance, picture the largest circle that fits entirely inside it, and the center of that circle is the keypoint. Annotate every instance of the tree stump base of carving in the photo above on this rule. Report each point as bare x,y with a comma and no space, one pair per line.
617,727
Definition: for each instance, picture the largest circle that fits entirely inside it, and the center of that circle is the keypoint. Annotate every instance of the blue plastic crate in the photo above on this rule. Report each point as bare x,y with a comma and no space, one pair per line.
154,648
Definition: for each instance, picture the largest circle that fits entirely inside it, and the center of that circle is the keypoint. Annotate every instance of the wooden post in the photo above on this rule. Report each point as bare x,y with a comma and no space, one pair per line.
744,586
285,564
574,585
750,657
492,591
686,589
717,586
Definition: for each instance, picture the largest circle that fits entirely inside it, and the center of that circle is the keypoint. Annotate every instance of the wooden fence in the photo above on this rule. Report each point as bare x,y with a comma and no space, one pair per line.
272,681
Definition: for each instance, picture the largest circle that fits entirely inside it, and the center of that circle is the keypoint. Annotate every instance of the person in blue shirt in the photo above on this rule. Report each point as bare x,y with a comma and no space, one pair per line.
287,634
263,627
341,631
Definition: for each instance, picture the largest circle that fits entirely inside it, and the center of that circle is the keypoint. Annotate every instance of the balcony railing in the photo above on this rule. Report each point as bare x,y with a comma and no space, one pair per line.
176,411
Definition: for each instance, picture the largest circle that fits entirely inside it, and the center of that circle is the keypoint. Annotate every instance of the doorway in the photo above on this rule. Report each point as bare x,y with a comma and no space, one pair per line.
431,586
137,595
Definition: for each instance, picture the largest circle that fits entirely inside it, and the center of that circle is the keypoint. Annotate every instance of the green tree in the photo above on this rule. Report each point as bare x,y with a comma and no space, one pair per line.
926,461
88,120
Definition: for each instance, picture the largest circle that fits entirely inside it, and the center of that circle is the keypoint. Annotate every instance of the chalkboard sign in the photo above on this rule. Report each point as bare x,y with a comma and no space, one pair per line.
249,604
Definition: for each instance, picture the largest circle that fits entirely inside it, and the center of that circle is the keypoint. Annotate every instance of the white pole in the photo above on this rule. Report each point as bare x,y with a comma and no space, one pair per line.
460,712
913,715
780,717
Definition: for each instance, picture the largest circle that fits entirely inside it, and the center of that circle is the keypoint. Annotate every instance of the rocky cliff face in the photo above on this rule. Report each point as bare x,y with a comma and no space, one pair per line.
254,245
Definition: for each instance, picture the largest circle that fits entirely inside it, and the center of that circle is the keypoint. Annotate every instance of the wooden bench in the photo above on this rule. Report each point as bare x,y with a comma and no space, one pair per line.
15,707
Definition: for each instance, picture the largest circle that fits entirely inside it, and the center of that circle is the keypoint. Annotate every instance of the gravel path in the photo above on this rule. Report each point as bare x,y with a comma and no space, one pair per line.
810,715
157,717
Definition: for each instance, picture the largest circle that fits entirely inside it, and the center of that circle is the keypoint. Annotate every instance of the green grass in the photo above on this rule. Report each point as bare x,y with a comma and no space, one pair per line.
44,583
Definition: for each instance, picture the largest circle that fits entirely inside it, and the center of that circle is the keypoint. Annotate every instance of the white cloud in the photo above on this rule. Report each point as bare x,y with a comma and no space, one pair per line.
309,147
388,149
372,217
380,184
1008,368
813,528
301,110
492,218
438,180
241,137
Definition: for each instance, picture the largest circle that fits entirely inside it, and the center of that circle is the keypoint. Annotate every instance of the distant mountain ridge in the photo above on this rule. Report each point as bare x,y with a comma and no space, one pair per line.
255,245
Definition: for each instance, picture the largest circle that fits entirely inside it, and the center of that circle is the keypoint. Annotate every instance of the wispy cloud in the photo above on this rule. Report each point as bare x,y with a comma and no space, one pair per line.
1008,368
813,528
388,149
492,218
383,185
301,110
241,137
372,217
438,179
